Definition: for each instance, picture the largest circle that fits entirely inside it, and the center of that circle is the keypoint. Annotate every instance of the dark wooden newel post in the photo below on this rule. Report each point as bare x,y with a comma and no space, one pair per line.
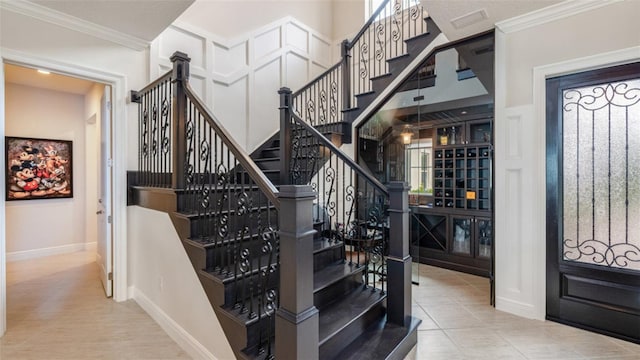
179,143
297,327
285,134
399,260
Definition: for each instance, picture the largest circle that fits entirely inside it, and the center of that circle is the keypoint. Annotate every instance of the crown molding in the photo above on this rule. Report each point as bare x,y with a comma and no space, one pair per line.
550,13
73,23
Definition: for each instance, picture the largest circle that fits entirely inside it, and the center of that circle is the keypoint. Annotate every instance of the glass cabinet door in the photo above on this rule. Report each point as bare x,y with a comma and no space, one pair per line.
484,235
461,239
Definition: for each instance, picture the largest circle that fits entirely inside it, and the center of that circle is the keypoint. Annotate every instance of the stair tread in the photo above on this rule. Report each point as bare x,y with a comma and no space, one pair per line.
333,273
379,341
399,57
244,315
224,278
324,244
261,159
214,241
380,77
215,212
366,93
343,311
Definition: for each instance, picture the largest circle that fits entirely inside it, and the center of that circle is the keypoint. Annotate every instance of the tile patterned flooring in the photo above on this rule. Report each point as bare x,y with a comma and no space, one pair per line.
57,310
458,323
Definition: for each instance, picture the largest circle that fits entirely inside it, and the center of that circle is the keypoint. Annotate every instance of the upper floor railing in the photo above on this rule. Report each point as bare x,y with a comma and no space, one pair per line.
365,57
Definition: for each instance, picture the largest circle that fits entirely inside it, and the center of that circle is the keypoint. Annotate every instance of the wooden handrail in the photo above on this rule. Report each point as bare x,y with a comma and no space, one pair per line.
316,79
165,77
243,158
339,153
367,24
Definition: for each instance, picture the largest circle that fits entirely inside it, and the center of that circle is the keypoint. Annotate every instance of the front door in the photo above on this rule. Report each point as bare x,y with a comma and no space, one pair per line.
593,200
105,246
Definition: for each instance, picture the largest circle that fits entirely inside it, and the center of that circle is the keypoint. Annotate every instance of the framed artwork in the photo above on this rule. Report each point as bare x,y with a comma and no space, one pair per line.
38,168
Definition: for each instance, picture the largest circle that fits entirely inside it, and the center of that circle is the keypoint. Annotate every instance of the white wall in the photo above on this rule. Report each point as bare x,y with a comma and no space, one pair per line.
524,56
52,223
166,291
239,77
27,40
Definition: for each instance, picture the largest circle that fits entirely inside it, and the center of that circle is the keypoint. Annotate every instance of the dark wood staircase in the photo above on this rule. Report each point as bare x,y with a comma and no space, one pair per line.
225,207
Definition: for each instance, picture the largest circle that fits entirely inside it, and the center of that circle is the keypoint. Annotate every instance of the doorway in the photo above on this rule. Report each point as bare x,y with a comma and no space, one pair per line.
593,200
60,106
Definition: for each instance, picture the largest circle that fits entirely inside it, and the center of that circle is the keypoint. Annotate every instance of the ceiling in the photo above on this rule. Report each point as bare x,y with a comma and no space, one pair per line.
15,74
472,14
143,19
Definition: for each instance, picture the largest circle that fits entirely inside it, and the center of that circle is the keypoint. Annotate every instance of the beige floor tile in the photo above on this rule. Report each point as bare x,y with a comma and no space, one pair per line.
56,309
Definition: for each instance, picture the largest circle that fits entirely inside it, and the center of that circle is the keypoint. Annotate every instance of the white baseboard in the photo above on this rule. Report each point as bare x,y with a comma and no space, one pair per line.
38,253
91,247
517,308
187,342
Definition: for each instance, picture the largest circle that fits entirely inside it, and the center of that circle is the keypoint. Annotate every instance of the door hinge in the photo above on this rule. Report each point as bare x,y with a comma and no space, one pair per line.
110,276
110,162
109,219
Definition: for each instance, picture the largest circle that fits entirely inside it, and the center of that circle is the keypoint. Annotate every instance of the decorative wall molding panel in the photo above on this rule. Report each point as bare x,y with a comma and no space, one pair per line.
517,233
239,78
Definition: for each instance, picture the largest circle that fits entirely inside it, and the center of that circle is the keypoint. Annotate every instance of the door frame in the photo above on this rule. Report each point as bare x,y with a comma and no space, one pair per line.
119,143
540,75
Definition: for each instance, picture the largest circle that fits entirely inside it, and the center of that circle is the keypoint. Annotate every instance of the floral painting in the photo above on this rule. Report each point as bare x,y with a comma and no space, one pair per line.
38,168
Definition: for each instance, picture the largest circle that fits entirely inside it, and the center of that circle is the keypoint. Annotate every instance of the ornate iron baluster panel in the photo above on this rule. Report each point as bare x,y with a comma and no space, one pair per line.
382,39
601,181
349,207
154,133
234,218
319,103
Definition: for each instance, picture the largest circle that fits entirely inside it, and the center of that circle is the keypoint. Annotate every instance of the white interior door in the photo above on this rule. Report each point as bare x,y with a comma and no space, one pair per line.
105,241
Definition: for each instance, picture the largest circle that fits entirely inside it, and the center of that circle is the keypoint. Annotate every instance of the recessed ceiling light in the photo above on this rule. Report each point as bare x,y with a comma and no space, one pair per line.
45,72
463,112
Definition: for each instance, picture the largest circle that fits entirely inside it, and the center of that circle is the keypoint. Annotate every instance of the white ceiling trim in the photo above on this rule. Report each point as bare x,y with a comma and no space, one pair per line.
73,23
550,13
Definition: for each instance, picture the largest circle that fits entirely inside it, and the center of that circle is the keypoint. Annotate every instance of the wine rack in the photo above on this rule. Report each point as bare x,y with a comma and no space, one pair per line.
462,178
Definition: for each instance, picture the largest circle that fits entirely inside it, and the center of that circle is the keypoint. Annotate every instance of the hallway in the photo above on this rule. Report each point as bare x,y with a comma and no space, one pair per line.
57,310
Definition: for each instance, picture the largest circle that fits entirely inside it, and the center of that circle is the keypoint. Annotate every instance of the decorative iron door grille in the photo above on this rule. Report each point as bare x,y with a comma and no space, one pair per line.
601,168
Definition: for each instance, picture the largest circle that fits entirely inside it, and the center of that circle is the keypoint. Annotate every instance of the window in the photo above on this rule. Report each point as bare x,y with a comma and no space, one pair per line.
370,7
419,168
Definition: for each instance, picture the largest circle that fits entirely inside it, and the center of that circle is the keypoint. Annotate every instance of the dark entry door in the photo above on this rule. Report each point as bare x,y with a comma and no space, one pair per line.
593,200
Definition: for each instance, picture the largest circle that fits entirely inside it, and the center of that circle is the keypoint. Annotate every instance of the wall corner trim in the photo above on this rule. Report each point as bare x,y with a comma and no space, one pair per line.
550,13
73,23
187,342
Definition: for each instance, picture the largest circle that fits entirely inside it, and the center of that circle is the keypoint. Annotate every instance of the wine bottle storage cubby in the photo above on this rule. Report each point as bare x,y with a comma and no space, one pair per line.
462,178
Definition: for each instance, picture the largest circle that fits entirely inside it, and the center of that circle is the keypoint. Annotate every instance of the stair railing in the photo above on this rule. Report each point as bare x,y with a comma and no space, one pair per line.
233,206
382,38
155,124
352,207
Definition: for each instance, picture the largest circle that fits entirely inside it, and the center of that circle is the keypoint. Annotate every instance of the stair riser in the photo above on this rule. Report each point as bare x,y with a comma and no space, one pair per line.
327,295
211,226
222,252
340,341
329,256
219,199
271,153
225,294
241,336
269,164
